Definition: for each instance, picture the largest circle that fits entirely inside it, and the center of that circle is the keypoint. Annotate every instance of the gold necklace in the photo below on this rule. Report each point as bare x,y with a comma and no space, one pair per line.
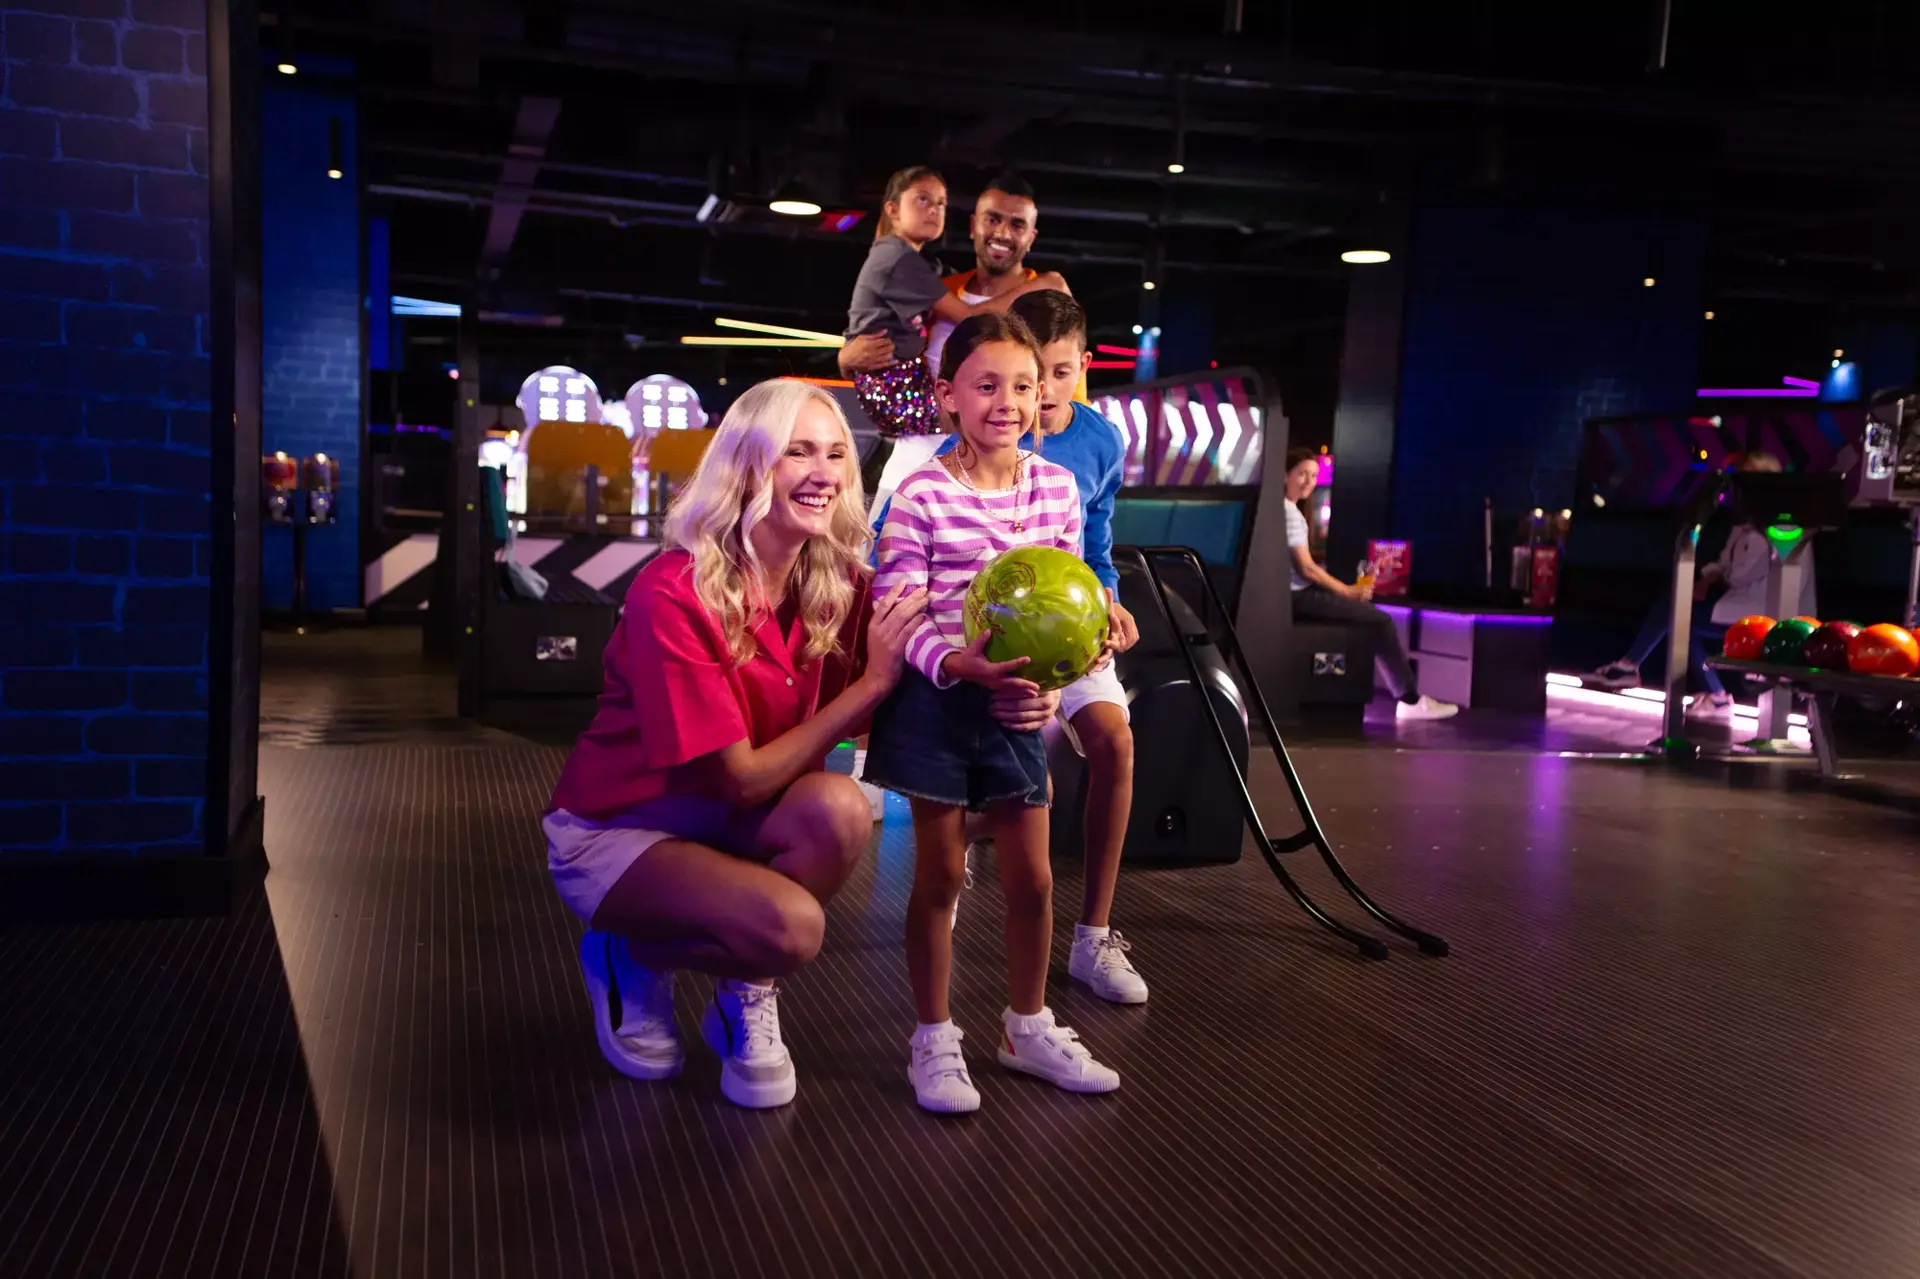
1019,520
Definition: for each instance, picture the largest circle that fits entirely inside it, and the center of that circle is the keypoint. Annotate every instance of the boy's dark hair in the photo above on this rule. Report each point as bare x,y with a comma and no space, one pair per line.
977,331
1011,184
1052,315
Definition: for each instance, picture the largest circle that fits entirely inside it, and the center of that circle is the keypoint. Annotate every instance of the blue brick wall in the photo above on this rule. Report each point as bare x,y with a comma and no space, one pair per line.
310,326
1520,325
104,474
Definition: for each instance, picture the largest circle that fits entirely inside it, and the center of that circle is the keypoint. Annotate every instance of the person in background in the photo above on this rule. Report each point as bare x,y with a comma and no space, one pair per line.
898,292
1093,709
935,741
1319,596
1741,570
694,825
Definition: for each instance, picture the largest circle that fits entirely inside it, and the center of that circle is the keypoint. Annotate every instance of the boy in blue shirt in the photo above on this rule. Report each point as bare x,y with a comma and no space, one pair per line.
1093,708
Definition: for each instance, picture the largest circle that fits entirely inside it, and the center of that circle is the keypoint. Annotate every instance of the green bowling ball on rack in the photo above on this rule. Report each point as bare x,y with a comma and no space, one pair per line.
1042,604
1786,643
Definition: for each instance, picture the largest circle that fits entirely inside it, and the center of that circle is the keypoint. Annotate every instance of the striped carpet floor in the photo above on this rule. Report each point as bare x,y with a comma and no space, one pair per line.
1677,1037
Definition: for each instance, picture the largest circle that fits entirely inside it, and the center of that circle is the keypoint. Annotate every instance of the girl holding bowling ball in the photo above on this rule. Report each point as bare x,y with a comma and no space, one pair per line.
962,733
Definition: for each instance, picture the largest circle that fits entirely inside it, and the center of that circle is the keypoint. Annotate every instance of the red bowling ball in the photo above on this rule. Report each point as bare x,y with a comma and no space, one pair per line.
1827,647
1885,649
1745,636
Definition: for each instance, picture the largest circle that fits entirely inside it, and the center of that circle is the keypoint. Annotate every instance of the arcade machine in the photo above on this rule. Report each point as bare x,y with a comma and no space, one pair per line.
570,520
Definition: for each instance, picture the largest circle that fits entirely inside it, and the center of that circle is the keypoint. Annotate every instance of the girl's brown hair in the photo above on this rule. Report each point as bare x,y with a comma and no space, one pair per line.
897,186
977,331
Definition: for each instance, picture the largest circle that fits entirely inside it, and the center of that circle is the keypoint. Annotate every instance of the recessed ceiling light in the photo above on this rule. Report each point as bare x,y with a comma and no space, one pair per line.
1366,257
1647,283
1176,167
334,173
1146,284
1709,315
1137,330
286,68
795,208
1838,353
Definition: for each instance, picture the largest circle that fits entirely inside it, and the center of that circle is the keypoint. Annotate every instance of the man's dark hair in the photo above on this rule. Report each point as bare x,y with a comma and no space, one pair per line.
1011,184
1052,315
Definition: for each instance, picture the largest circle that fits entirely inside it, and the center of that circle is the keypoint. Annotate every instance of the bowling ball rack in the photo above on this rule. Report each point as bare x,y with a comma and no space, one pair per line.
1310,835
1824,689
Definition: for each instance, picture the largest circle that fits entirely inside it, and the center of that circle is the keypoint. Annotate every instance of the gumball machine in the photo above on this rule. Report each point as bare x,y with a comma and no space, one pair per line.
319,482
322,476
279,479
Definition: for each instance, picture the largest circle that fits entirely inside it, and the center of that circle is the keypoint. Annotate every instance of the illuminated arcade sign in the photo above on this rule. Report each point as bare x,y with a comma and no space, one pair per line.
663,403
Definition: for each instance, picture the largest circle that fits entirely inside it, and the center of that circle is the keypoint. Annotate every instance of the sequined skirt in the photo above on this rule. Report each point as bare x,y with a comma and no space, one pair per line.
899,398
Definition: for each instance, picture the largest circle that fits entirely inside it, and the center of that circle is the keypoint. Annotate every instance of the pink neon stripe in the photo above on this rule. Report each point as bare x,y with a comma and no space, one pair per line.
1792,393
1800,381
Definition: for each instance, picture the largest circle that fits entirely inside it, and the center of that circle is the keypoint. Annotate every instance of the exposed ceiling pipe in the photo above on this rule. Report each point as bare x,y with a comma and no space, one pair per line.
691,183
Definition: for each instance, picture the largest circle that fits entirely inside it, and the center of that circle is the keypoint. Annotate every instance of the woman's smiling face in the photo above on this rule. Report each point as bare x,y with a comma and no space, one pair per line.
809,476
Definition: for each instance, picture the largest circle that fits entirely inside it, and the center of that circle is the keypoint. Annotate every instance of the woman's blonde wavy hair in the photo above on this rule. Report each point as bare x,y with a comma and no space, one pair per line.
713,517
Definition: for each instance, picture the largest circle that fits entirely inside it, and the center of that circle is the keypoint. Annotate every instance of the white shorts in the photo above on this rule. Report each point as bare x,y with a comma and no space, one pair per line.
587,858
1099,686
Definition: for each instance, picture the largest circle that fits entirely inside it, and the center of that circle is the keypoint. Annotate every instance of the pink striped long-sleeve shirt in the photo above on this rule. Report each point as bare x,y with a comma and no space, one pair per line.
939,533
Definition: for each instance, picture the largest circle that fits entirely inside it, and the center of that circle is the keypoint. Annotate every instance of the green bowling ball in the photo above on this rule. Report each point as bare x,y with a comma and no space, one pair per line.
1042,604
1787,641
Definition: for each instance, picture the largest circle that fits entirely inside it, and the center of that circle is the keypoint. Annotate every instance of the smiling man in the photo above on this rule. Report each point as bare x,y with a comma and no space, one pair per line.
1002,226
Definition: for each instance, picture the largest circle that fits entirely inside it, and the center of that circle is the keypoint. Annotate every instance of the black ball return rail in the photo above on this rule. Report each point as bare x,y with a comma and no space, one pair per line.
1310,834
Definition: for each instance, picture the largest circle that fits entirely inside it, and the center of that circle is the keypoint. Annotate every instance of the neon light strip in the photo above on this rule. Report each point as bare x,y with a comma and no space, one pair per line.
1797,388
1110,364
1130,352
780,330
1641,698
704,340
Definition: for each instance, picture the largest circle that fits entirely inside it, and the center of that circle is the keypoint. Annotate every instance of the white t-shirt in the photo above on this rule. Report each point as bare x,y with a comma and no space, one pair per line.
1744,566
937,342
1297,535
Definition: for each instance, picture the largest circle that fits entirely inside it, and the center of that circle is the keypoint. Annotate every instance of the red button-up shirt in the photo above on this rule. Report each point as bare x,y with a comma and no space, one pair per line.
672,693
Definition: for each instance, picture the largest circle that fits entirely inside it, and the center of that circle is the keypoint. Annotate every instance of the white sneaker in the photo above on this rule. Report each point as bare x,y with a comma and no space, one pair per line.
742,1025
965,883
632,1010
938,1071
1052,1052
1617,675
1425,708
1100,960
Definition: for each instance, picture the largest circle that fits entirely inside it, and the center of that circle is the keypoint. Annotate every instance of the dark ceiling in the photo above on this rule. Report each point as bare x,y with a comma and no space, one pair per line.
546,159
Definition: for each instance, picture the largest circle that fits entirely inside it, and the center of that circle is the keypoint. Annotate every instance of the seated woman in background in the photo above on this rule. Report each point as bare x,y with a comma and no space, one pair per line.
1319,596
1742,569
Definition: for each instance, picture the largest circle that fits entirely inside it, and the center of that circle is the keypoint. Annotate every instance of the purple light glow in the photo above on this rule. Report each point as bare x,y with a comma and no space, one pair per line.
1477,619
1797,388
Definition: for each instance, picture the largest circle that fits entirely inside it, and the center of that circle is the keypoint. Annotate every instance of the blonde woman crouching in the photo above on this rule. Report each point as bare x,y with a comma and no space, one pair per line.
693,826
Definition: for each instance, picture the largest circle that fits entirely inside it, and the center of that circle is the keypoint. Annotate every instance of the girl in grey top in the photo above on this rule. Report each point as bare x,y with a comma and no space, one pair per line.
899,292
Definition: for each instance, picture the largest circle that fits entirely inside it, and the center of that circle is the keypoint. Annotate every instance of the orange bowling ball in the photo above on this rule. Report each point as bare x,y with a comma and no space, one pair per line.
1745,636
1885,649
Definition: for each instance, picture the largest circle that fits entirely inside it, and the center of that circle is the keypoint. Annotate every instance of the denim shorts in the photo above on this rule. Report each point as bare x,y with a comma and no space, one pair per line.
944,744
